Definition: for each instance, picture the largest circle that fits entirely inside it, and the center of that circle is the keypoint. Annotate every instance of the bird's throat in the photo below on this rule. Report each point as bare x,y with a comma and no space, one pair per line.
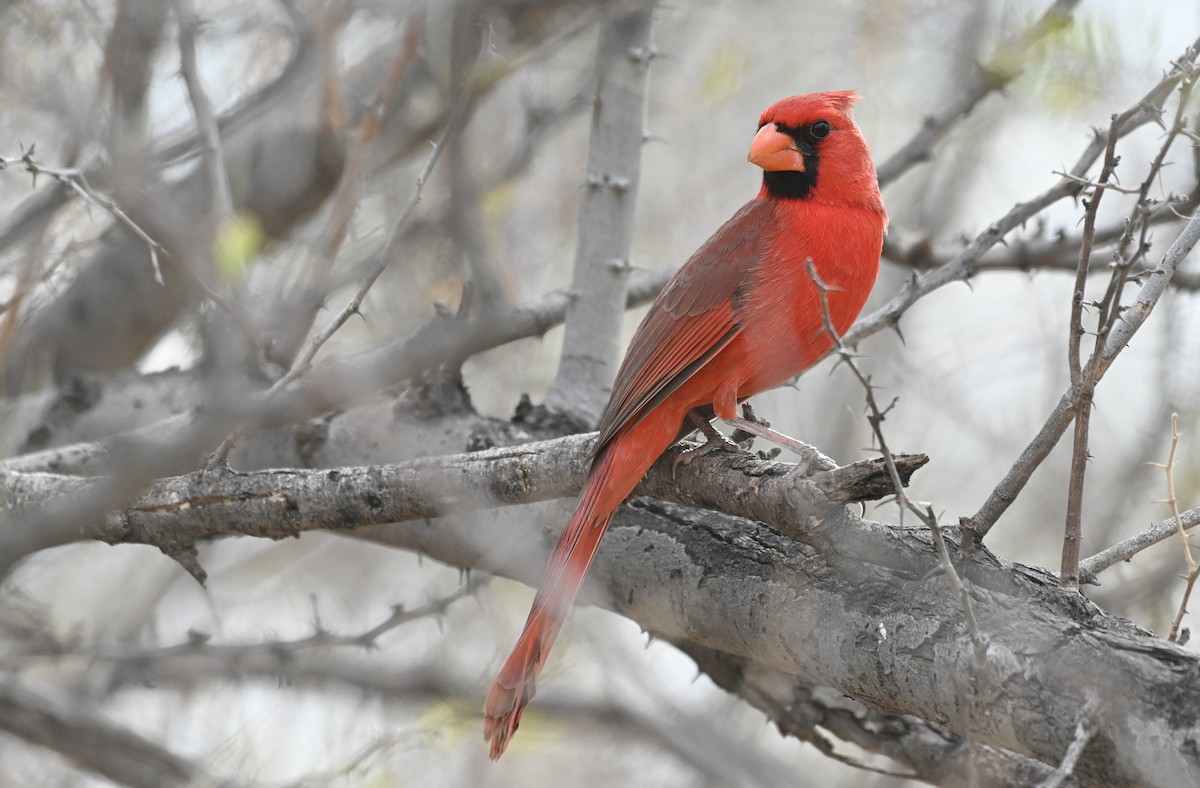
788,184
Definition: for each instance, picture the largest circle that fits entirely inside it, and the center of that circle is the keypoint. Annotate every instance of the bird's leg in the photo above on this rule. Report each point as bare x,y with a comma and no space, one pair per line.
812,457
713,441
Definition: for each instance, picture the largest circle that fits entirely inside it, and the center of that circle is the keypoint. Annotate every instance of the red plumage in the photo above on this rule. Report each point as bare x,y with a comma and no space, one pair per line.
742,315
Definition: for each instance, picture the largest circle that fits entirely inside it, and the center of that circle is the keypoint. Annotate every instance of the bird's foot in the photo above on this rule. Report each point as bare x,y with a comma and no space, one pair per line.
713,441
811,456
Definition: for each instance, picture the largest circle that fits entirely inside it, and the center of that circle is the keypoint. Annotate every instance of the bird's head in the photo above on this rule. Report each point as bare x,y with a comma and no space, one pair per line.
809,148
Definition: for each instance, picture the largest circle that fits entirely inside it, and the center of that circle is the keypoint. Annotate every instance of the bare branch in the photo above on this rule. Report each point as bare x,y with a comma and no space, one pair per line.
212,156
93,743
963,264
591,351
1002,68
74,179
179,511
1173,501
1128,548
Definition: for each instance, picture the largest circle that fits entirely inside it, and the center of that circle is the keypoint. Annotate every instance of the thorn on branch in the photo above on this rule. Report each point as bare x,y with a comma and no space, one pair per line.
188,557
643,56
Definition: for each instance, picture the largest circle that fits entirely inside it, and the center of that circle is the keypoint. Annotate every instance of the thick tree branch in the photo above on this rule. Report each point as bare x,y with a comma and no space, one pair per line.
737,587
591,343
798,708
181,511
866,611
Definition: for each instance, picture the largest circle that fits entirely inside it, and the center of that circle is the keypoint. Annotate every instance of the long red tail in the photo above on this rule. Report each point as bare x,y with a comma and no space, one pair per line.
614,474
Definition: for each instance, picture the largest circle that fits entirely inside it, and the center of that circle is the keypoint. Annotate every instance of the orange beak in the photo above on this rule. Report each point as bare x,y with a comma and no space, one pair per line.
773,150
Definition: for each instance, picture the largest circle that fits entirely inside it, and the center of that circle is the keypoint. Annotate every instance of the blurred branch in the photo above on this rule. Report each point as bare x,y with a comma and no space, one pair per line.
962,264
129,59
1084,731
212,156
695,739
591,351
297,310
1004,66
227,659
385,256
466,223
446,339
94,743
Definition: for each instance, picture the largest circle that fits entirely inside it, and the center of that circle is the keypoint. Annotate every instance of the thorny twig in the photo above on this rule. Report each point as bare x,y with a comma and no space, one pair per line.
1069,566
1172,500
1109,308
967,261
73,178
1120,323
924,514
198,642
1085,729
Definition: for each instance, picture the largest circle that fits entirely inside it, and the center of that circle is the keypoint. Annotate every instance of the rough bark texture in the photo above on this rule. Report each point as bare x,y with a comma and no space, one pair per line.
863,609
860,607
91,743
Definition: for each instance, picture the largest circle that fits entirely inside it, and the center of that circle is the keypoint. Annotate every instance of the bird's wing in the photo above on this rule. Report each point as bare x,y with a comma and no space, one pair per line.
693,318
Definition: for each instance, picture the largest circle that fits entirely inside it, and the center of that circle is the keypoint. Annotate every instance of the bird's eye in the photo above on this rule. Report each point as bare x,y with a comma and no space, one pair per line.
819,130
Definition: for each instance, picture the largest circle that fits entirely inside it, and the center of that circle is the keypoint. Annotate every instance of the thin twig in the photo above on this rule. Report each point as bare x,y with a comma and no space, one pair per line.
925,514
1106,349
212,156
1109,313
1172,500
966,262
74,179
1069,566
1085,729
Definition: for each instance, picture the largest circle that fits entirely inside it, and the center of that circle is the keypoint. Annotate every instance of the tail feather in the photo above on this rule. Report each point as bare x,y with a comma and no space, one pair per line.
517,681
615,471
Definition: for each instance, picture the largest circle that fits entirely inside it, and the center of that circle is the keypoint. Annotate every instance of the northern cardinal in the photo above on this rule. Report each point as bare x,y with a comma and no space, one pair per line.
742,315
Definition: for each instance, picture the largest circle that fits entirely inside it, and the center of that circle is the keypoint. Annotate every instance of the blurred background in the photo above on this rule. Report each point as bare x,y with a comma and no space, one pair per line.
97,88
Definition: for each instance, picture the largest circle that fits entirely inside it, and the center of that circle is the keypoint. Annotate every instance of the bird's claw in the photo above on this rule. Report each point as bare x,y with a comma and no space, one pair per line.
717,443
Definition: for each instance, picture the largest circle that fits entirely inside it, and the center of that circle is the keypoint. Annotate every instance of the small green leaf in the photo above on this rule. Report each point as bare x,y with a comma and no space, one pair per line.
239,241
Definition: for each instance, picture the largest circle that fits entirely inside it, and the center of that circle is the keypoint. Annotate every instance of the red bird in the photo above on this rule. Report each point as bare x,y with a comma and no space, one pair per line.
742,315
